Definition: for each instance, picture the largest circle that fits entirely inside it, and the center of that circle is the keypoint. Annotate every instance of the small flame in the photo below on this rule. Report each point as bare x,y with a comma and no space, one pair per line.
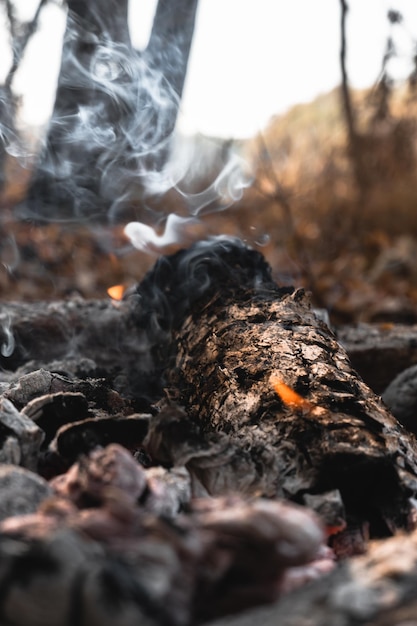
335,529
290,397
116,292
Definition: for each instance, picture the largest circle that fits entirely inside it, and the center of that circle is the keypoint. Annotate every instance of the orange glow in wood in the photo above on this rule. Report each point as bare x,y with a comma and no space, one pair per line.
289,397
116,292
334,530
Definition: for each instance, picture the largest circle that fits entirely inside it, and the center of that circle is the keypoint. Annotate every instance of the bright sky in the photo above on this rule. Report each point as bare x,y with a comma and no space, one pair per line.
250,59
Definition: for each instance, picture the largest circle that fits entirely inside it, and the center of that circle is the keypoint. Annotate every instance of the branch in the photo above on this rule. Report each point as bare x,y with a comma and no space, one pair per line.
170,40
19,46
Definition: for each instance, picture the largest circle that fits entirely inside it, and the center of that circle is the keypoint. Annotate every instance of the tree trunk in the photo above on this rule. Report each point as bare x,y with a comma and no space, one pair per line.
354,143
170,42
167,53
115,109
8,132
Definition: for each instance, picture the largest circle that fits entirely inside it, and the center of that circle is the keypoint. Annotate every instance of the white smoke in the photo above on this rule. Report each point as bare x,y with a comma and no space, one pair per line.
8,345
146,239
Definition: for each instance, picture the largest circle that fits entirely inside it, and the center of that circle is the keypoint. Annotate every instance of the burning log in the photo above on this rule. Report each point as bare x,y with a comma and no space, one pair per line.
272,404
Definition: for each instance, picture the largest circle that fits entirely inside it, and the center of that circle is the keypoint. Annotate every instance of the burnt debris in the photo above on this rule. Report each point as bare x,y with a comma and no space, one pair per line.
202,448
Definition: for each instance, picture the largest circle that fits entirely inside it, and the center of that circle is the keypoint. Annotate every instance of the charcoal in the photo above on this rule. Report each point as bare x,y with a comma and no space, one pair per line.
81,437
22,491
51,411
21,438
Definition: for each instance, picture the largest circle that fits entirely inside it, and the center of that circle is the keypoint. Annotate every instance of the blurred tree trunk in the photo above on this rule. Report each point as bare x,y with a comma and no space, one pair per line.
8,131
115,108
354,139
168,51
20,35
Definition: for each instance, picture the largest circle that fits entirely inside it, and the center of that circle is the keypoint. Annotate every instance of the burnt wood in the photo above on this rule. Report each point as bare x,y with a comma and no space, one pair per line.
236,345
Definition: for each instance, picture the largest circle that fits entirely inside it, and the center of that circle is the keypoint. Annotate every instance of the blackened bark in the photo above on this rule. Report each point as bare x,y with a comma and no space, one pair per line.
243,347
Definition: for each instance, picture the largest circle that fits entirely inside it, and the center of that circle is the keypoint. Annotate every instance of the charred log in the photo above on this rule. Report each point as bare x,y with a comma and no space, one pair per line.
273,405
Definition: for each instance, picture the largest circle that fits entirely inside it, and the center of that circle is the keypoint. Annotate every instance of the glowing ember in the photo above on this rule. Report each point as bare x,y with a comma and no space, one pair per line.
116,292
290,397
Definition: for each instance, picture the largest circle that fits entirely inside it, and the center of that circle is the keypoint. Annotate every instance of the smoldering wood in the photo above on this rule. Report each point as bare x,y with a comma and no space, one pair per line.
232,330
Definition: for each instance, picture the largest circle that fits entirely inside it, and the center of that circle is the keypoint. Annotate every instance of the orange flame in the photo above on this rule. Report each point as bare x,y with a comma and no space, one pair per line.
116,292
290,397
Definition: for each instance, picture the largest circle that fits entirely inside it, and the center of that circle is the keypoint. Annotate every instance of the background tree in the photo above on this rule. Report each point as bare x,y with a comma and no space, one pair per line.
115,108
20,35
354,140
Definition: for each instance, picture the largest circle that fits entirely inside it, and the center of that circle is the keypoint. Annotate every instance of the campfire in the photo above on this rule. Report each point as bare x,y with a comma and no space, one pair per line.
202,448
